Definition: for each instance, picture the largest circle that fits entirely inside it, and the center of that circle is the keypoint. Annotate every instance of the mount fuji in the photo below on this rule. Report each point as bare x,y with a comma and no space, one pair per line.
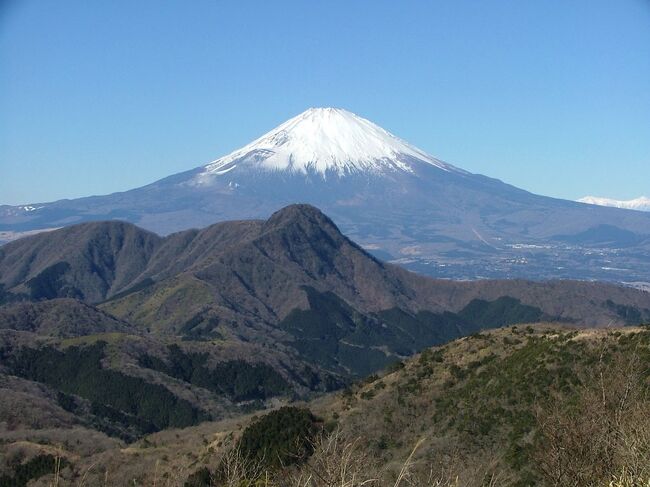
397,201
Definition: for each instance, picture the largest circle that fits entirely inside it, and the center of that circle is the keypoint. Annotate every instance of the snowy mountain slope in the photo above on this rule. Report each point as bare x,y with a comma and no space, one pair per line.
401,203
328,142
642,203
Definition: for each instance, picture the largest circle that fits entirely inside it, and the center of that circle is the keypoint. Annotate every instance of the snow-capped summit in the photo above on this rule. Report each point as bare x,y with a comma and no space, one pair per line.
396,200
328,142
642,203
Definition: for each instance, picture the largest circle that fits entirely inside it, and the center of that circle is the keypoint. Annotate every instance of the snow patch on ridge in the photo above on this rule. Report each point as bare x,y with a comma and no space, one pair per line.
326,141
642,203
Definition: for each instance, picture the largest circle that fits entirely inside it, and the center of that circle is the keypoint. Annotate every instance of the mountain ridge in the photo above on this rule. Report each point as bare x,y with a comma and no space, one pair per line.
403,205
495,407
111,332
264,264
642,203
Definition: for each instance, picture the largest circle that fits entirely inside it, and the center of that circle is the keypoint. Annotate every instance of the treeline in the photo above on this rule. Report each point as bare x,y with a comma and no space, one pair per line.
338,337
503,311
237,379
50,284
131,401
631,315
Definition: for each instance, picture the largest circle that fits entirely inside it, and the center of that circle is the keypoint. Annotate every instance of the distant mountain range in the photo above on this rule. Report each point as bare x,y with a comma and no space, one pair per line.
642,203
247,278
395,200
109,332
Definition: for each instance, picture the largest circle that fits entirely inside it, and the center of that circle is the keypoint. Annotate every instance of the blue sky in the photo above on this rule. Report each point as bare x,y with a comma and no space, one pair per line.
552,96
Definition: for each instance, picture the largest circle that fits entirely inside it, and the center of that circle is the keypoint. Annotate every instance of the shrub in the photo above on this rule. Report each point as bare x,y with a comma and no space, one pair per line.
280,438
33,469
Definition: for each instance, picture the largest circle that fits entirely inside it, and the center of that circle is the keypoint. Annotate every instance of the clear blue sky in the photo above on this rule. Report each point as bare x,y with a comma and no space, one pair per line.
98,96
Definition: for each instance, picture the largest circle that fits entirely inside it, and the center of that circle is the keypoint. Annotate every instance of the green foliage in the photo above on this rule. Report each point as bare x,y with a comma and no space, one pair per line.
320,330
491,409
336,336
630,314
280,438
49,284
239,380
145,283
201,327
315,381
492,399
412,333
66,401
33,469
130,401
503,311
362,361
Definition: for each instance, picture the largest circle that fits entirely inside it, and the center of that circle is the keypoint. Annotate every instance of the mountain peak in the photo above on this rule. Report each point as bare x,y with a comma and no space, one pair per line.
299,212
328,142
642,203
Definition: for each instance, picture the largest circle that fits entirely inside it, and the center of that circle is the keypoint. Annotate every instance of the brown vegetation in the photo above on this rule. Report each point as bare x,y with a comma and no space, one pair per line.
514,407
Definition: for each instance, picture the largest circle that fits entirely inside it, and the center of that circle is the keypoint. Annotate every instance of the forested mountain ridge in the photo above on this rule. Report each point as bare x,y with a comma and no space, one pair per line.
113,333
264,267
498,406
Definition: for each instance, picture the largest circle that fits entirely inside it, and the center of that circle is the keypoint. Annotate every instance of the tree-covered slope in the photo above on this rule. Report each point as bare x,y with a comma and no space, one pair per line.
255,271
538,405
